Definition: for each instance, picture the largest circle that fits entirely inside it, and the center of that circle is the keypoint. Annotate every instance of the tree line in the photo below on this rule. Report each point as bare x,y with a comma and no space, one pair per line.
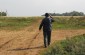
3,14
73,13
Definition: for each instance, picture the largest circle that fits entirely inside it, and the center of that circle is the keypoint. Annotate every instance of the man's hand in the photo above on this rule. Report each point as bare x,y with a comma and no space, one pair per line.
39,30
51,16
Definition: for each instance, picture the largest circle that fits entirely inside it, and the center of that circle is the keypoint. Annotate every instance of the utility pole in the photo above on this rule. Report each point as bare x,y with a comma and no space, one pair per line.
54,12
6,13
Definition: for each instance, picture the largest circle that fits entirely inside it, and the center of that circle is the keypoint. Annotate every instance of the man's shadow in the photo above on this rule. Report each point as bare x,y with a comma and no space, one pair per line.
20,49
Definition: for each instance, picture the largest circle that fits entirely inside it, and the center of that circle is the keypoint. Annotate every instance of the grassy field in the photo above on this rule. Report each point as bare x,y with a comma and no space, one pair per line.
73,46
13,23
16,23
69,23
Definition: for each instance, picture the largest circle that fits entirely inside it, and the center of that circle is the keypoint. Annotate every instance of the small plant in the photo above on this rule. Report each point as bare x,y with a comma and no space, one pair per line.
73,46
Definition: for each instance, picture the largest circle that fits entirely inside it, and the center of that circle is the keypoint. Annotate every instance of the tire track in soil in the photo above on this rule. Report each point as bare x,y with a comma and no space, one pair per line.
25,29
22,42
18,41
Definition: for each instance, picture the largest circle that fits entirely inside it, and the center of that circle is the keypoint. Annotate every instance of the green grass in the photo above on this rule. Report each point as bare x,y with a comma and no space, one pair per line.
73,46
69,23
61,22
16,23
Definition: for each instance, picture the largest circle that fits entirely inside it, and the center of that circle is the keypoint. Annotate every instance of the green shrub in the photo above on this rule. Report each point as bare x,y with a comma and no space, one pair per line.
73,46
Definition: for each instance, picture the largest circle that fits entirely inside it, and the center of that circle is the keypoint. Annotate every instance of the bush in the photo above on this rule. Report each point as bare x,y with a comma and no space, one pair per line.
73,46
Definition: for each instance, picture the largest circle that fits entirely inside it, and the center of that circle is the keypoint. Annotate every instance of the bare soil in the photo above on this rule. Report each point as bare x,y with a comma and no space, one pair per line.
17,42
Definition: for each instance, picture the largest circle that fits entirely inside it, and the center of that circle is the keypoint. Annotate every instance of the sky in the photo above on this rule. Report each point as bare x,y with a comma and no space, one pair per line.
39,7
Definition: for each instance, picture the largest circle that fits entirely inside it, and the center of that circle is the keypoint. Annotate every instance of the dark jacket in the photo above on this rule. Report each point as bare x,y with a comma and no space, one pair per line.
47,24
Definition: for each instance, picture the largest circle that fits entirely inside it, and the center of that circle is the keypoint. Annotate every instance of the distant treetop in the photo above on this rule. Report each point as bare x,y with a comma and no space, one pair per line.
73,13
3,14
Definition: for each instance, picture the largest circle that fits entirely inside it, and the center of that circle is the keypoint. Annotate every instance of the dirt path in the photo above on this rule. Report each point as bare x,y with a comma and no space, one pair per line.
17,42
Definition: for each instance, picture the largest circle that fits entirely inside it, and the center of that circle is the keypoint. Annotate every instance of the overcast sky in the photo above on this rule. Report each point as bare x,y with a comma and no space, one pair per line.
39,7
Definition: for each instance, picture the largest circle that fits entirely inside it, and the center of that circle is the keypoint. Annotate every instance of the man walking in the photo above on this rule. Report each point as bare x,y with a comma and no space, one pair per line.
47,28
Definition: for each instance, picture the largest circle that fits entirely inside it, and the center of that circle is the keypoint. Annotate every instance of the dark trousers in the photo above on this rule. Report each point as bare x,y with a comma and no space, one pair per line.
47,38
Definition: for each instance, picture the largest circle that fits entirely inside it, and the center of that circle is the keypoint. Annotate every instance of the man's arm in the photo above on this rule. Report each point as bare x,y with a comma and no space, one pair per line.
41,25
52,18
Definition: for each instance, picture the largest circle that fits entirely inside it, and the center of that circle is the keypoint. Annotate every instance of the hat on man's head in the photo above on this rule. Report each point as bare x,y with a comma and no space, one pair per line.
47,14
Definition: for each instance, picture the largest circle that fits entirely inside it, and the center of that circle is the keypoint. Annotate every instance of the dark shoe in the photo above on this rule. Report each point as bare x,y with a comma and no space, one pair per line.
45,46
